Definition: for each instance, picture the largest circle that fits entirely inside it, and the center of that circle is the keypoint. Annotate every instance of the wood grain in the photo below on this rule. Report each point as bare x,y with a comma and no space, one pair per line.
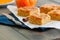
8,33
35,35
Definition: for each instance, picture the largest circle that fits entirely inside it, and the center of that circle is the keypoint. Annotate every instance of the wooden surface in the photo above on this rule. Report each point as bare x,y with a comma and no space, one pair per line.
13,33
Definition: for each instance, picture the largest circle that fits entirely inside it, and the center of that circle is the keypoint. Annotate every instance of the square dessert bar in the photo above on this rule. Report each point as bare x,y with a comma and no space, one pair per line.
58,7
39,19
25,11
55,14
47,7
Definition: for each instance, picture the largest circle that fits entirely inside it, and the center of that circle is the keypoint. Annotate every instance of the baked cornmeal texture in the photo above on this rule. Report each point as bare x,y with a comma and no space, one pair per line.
55,14
39,19
26,11
47,7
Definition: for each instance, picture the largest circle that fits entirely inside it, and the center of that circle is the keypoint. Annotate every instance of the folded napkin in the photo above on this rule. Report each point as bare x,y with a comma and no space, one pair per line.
4,20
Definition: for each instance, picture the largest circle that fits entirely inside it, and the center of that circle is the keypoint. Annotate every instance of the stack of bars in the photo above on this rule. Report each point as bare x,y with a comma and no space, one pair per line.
42,15
52,10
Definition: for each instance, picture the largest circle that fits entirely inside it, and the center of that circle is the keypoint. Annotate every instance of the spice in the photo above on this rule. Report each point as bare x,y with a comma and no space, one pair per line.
5,1
25,19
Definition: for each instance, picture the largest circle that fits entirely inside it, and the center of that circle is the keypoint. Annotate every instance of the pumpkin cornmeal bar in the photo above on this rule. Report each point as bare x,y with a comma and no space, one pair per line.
58,7
39,19
25,11
55,14
47,7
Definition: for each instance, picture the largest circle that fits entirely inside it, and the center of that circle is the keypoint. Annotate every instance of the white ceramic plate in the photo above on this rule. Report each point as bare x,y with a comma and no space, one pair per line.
7,3
52,24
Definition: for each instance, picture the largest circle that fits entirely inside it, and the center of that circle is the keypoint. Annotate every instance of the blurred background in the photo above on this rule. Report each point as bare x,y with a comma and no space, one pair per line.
41,2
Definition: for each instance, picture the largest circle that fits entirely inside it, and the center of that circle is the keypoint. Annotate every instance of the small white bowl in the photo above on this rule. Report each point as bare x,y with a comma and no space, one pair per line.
7,3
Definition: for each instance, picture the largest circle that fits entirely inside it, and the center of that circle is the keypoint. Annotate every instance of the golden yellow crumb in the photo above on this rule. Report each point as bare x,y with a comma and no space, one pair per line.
39,19
55,14
26,11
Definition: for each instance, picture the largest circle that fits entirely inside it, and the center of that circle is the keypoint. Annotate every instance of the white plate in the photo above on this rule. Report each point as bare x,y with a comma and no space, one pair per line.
52,24
8,3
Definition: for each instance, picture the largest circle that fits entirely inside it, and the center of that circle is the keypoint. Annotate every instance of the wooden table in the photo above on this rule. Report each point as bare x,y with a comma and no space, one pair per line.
13,33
